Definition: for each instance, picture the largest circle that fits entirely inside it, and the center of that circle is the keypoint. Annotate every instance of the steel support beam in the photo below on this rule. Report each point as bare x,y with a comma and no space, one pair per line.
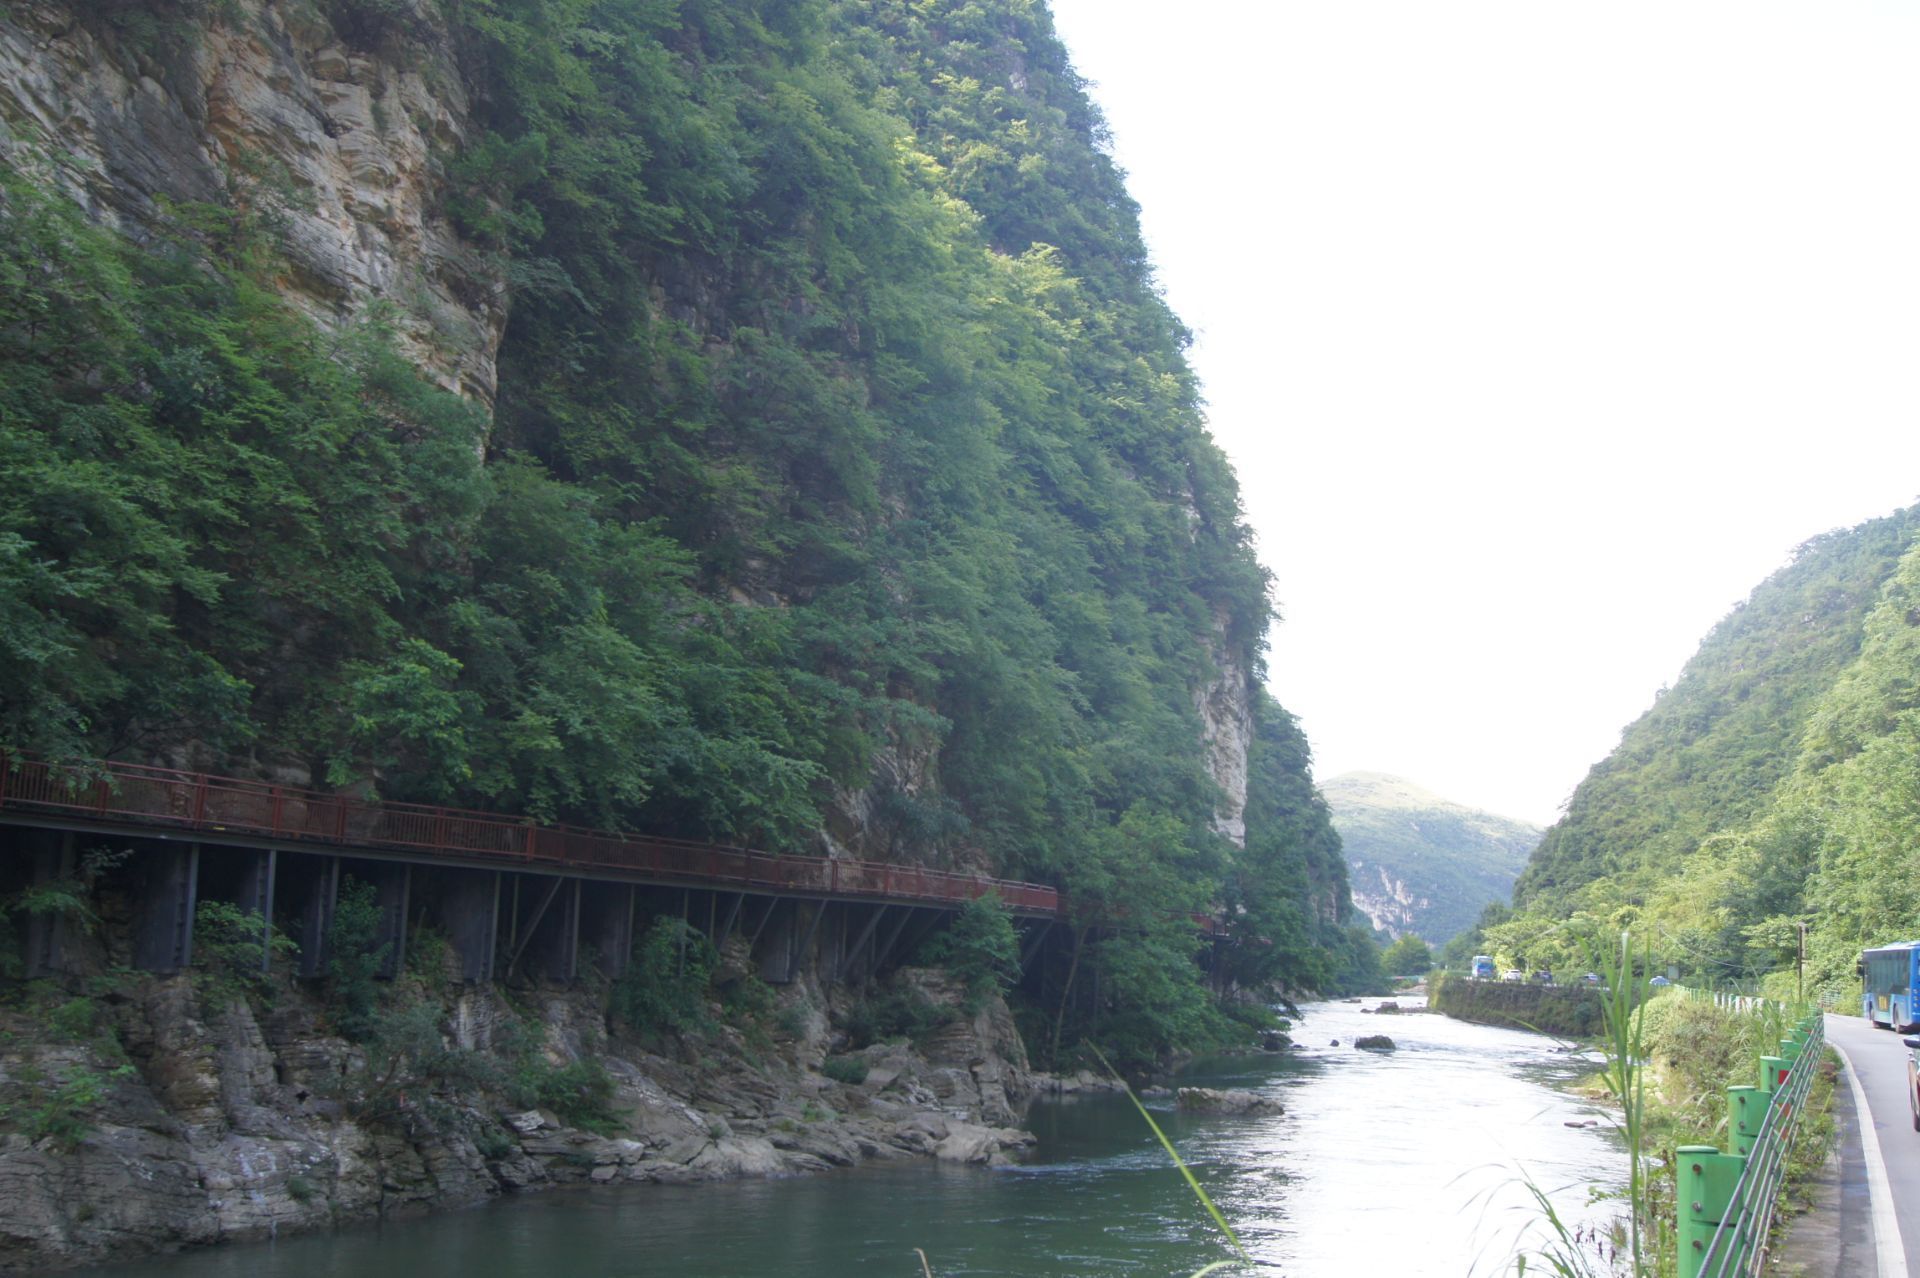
256,896
163,933
317,919
533,926
47,930
884,950
471,913
852,956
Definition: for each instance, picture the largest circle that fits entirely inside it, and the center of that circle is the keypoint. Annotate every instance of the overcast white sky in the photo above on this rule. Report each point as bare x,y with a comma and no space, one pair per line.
1538,332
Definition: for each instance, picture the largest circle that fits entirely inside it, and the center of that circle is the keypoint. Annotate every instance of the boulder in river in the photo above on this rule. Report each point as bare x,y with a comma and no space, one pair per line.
1374,1043
1388,1008
1208,1100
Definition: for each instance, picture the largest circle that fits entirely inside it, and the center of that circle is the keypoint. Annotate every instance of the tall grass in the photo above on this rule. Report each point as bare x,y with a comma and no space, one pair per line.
1555,1246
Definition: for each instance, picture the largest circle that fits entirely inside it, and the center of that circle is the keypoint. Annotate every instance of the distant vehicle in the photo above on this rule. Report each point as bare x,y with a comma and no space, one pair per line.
1888,977
1483,967
1659,980
1543,977
1513,974
1591,978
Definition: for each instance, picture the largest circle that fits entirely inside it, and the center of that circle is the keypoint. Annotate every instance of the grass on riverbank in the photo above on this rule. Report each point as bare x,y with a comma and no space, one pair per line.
1692,1051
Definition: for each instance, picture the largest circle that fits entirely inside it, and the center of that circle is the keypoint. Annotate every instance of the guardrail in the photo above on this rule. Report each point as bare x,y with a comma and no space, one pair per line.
1727,1200
131,794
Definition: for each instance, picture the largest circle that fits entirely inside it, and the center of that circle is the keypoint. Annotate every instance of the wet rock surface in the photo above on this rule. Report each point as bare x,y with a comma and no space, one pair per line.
1207,1100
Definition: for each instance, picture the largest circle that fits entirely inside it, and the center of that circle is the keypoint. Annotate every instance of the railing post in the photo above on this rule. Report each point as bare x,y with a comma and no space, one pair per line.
1706,1184
1746,1110
1773,1071
200,798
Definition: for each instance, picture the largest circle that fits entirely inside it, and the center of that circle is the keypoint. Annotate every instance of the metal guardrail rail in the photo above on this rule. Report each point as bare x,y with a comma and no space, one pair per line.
1727,1200
123,795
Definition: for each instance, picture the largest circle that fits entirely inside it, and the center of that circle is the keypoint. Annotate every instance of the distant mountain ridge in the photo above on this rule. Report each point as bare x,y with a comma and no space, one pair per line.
1420,863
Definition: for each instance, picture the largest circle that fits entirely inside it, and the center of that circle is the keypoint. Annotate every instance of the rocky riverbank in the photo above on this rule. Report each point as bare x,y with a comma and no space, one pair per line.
154,1113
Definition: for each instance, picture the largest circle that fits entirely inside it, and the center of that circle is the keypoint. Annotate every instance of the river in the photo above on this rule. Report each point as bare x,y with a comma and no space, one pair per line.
1408,1162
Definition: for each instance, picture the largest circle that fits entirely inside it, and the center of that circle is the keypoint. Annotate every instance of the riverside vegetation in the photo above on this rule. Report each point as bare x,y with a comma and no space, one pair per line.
1669,1060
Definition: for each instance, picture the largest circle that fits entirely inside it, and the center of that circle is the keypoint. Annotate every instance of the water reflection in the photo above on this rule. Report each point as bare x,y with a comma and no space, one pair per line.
1408,1160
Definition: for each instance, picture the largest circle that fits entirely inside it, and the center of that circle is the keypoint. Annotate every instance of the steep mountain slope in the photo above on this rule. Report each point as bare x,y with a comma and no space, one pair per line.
1711,749
1418,863
1834,848
1772,787
744,420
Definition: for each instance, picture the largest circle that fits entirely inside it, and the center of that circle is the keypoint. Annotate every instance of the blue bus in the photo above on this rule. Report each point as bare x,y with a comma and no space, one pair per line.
1483,967
1890,986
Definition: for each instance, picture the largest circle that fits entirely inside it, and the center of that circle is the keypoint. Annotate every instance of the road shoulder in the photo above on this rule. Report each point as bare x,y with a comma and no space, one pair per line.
1833,1238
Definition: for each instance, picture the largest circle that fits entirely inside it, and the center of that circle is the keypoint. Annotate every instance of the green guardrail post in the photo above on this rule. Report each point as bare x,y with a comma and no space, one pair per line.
1773,1069
1746,1110
1707,1178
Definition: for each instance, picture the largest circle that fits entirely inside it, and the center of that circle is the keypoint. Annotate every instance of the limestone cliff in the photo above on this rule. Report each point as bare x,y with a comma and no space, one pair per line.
341,137
171,1113
1225,706
1418,863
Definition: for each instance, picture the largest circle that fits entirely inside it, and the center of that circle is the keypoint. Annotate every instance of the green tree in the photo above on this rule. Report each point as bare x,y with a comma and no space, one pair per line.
1407,956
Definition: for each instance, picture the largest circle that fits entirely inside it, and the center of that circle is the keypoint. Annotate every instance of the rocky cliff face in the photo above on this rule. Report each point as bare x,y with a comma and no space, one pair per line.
1420,864
1225,706
339,137
166,1115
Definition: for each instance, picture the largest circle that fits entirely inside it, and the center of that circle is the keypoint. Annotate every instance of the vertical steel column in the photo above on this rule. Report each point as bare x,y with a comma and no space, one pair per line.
47,932
256,896
393,890
163,936
470,911
317,920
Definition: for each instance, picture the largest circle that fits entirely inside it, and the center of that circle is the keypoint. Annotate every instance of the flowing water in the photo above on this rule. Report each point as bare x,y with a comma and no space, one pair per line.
1409,1163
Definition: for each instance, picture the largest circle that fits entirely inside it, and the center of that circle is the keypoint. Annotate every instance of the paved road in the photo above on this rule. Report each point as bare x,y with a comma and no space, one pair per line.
1878,1062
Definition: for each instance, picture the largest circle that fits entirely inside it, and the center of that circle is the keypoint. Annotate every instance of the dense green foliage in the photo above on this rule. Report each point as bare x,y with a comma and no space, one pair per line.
1773,787
1710,750
1449,861
664,984
981,948
355,956
1408,956
844,458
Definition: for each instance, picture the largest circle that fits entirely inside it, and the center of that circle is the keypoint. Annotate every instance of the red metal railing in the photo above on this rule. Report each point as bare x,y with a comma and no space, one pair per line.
132,793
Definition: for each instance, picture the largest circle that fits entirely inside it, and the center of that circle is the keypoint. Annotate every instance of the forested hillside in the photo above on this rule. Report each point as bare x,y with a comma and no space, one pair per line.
844,487
1419,864
1740,806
